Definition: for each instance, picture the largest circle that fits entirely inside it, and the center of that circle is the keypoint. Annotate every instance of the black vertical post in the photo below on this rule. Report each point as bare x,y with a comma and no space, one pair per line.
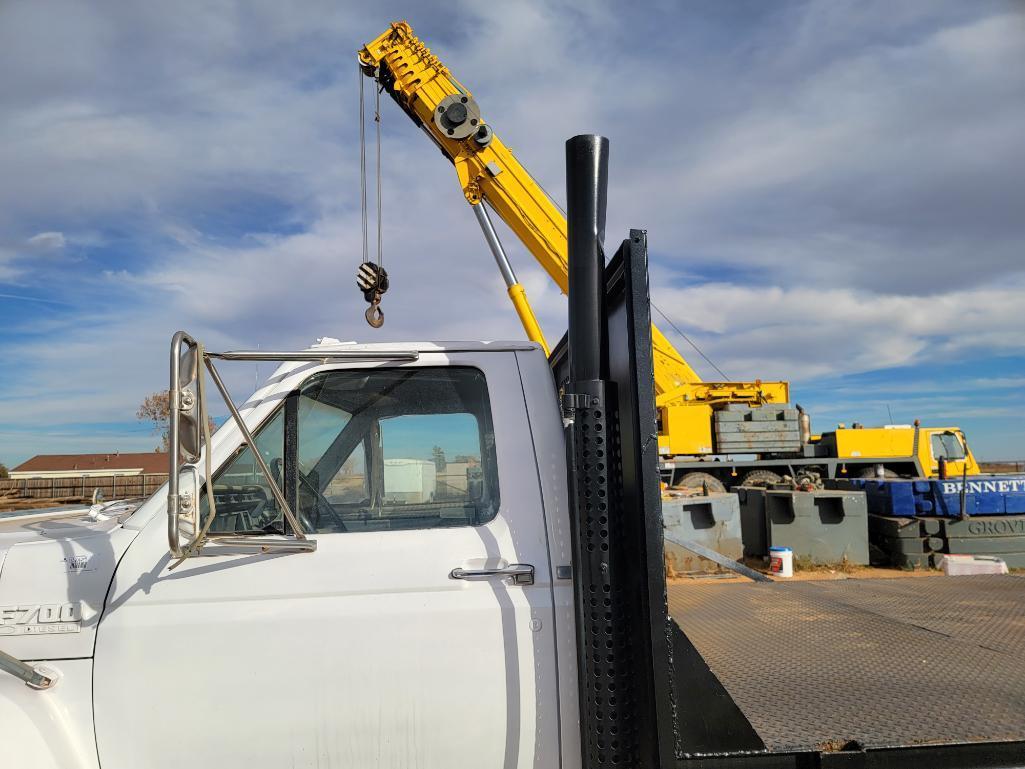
604,601
587,176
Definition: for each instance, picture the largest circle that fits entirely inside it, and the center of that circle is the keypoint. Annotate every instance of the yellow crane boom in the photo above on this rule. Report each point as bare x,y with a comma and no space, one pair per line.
488,172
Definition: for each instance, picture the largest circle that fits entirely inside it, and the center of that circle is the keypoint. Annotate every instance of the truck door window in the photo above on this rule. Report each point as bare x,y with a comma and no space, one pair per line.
430,457
947,445
394,449
370,450
319,424
351,484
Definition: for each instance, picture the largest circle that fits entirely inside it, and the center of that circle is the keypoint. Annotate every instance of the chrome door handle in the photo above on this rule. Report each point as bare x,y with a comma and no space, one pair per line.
520,573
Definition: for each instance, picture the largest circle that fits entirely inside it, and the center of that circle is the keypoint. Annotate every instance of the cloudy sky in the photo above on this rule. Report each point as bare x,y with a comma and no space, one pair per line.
834,193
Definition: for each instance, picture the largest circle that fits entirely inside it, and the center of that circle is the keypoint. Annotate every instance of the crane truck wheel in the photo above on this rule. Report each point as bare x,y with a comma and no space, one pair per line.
760,478
706,481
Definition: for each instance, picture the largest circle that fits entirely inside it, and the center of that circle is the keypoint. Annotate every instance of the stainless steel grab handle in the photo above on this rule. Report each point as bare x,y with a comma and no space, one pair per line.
520,573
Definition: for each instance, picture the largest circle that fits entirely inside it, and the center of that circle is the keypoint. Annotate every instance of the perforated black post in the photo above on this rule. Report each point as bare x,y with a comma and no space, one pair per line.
609,736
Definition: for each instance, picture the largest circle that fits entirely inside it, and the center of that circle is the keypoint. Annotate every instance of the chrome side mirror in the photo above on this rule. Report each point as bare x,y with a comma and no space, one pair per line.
187,418
185,408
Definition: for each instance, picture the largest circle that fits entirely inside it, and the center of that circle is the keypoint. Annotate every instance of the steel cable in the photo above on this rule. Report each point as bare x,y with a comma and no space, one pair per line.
377,120
362,166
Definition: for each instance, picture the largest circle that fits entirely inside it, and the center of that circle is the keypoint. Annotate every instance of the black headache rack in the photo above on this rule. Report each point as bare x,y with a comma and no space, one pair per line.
648,697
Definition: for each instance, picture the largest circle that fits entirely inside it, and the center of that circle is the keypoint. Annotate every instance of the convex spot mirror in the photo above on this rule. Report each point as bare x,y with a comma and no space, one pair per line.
185,405
186,517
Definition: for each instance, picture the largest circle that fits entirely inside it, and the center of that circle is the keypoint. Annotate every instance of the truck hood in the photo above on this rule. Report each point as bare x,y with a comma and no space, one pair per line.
54,574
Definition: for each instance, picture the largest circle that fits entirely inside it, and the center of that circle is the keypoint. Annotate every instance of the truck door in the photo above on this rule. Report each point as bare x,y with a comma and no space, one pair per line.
949,446
420,632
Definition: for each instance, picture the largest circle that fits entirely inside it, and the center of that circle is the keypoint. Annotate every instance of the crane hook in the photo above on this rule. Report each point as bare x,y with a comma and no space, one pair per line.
372,280
374,314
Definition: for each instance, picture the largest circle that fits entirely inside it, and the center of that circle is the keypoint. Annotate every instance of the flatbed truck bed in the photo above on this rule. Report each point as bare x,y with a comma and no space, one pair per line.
849,664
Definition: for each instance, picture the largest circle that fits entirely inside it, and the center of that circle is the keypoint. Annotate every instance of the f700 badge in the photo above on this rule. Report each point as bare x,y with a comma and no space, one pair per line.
40,619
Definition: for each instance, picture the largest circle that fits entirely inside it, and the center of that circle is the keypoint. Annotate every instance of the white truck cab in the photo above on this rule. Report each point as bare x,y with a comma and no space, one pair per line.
404,638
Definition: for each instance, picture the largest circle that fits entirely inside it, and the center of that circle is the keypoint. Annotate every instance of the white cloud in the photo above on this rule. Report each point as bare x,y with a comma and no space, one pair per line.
47,241
803,332
830,188
1000,383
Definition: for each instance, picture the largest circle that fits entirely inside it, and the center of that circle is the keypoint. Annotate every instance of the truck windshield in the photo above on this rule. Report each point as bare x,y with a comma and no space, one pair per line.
947,445
357,450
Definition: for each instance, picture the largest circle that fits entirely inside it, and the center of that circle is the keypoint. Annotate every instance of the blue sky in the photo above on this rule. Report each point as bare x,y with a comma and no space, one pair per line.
834,193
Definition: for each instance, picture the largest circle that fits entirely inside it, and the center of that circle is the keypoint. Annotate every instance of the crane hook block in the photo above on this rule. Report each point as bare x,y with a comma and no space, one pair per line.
372,280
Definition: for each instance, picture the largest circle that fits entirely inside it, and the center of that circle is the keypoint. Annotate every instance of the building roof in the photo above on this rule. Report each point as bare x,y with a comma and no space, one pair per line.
149,462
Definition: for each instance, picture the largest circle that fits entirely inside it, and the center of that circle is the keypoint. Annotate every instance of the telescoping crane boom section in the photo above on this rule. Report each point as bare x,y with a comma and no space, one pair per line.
489,172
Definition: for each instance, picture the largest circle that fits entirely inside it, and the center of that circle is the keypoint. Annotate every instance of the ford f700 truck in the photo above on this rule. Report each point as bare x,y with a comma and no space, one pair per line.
279,605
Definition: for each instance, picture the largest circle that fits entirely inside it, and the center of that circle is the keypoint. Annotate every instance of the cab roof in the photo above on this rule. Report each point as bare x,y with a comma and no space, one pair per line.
329,343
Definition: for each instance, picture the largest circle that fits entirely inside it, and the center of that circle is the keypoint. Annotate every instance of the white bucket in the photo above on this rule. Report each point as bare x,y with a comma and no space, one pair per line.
781,561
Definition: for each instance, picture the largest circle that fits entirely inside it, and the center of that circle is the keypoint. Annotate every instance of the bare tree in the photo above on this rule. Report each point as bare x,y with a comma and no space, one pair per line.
156,409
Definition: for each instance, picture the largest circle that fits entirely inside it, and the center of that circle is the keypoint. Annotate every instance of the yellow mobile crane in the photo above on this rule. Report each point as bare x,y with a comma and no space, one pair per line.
488,171
696,418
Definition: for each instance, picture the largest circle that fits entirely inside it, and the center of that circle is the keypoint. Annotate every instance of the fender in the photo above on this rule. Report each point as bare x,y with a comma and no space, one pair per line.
49,729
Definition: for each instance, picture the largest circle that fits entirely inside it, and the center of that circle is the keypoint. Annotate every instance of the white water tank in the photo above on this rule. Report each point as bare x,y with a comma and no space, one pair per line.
409,481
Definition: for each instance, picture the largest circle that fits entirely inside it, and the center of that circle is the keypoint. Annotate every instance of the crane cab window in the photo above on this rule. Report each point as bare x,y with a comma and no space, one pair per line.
947,446
371,450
